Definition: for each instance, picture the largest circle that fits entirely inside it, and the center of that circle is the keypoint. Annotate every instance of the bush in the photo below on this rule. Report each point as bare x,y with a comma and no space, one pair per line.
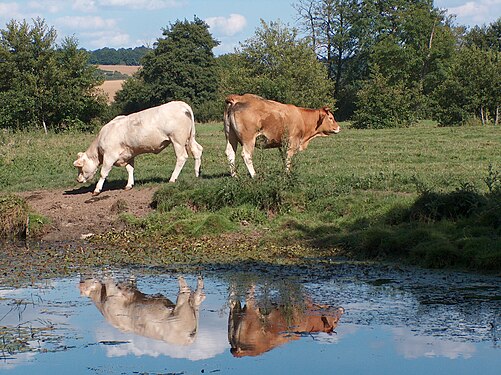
382,104
432,206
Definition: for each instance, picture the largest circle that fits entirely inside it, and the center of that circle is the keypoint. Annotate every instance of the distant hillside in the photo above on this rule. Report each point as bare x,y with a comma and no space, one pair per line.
121,56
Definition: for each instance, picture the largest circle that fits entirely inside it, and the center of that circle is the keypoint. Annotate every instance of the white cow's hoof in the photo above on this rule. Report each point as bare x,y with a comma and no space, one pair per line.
96,193
128,187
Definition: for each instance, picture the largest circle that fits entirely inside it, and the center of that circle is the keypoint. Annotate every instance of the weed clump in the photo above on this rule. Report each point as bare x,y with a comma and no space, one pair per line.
14,217
435,206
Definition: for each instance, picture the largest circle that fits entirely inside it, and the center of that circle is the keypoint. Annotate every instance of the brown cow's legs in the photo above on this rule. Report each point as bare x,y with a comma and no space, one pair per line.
231,149
248,150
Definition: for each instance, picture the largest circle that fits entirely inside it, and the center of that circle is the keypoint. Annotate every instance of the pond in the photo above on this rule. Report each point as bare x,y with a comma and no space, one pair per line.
346,318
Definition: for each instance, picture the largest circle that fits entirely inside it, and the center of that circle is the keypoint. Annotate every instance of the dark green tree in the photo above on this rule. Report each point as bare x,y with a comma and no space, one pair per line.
180,67
42,84
485,37
471,91
407,40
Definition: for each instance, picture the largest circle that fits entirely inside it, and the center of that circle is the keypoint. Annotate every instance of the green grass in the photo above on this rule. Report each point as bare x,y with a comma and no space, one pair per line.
425,195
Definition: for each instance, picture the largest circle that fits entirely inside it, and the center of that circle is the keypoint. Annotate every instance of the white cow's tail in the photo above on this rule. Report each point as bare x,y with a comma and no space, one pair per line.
192,146
189,113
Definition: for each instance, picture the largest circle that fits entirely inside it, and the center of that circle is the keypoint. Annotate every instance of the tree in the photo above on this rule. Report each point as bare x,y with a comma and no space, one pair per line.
180,67
401,37
275,63
41,84
485,37
334,33
472,88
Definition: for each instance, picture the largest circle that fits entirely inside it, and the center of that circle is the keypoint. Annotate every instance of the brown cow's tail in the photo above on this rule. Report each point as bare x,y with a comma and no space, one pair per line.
229,115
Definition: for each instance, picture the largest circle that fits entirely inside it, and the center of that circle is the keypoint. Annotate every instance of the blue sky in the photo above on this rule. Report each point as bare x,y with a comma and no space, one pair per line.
132,23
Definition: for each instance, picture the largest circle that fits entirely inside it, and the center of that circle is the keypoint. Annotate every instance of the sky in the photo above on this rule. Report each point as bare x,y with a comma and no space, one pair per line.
132,23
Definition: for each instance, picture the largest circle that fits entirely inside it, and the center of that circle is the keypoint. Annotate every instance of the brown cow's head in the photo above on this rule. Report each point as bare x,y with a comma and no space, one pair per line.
326,123
86,167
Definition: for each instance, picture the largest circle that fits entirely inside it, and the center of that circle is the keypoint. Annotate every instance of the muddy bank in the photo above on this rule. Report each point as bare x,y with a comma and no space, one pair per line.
75,214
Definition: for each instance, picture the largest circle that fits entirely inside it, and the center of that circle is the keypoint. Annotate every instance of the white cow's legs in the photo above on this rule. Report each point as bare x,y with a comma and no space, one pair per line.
181,157
105,170
196,150
130,171
199,293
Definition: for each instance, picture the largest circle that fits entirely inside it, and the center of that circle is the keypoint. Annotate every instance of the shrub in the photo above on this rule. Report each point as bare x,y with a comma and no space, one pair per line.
14,217
382,104
433,206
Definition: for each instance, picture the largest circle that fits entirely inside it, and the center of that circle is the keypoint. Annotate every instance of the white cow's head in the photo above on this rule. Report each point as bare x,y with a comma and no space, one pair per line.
87,167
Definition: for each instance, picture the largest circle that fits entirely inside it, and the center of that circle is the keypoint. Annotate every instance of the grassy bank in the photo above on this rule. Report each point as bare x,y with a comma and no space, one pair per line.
424,195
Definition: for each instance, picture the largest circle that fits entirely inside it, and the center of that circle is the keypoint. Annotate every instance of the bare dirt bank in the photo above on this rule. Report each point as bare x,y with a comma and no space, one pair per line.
76,214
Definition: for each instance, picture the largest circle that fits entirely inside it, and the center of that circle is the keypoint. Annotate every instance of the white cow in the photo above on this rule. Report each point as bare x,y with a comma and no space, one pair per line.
153,316
148,131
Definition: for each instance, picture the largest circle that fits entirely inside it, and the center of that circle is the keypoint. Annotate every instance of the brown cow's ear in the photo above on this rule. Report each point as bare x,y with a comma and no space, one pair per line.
321,117
326,109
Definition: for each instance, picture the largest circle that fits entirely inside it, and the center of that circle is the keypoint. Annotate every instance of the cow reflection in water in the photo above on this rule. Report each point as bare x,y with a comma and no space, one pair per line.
254,330
153,316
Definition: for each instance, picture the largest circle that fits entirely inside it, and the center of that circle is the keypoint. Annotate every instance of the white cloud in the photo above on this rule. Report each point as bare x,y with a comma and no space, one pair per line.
49,6
110,38
469,9
86,22
85,5
227,26
477,12
142,4
9,11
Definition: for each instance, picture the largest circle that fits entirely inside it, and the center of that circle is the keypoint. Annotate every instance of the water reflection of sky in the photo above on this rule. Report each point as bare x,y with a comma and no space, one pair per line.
386,329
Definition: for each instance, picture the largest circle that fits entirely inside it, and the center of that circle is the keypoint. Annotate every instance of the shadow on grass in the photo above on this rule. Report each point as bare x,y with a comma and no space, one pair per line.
461,229
108,186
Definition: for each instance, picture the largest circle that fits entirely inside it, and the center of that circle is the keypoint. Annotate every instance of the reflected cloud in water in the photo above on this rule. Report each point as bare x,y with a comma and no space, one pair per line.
412,346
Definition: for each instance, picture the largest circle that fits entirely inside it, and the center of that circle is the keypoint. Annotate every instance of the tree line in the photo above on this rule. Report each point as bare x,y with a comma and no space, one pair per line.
379,63
120,56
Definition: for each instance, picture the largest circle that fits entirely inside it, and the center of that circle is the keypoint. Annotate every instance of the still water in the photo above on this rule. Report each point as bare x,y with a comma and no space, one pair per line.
345,318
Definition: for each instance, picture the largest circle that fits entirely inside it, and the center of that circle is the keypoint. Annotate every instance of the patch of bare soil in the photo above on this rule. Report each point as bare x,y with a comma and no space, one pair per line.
76,214
110,88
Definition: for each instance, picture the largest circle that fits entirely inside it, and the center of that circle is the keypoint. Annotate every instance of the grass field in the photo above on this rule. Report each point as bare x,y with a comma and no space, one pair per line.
425,194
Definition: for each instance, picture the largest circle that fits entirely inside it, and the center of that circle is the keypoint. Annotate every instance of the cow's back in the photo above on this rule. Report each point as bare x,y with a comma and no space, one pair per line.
252,114
149,130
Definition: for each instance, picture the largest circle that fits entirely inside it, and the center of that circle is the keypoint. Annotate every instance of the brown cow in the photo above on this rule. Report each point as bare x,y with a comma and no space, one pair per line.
253,331
248,116
153,316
